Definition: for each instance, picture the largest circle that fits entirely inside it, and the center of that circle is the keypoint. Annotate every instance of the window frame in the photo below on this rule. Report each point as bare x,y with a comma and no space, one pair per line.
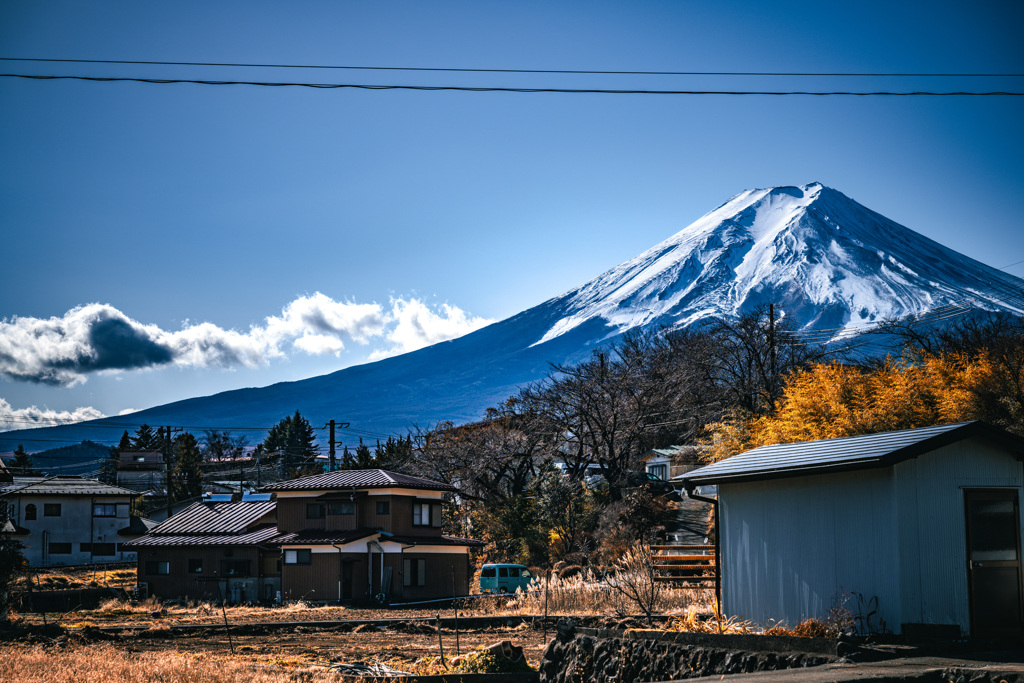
414,569
108,509
418,508
315,511
383,507
51,509
57,548
341,507
158,567
299,554
31,512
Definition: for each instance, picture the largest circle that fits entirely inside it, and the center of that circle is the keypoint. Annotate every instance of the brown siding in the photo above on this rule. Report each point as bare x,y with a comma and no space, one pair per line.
368,517
438,584
401,514
318,581
180,584
291,515
343,522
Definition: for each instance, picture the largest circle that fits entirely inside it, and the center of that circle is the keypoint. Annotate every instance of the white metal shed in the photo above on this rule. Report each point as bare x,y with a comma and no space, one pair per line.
921,525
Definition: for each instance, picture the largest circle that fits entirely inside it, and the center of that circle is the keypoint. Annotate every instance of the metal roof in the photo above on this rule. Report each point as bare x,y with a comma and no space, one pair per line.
61,486
847,453
163,540
322,537
360,479
215,519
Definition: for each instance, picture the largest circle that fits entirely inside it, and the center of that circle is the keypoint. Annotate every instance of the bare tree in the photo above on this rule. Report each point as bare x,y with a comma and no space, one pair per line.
636,579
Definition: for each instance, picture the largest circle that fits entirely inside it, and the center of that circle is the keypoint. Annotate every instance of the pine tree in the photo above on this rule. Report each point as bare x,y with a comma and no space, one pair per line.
187,474
108,470
364,459
146,439
22,462
294,440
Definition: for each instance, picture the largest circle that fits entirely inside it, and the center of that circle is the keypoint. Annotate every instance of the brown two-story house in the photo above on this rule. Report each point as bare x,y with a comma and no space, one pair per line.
367,534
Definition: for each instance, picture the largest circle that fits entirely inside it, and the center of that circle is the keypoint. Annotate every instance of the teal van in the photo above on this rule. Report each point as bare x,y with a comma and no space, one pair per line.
504,578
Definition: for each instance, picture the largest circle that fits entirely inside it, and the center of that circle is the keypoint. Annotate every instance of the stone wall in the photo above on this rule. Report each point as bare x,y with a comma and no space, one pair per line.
607,656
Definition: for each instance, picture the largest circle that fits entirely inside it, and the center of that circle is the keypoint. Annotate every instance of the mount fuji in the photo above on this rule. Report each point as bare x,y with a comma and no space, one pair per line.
828,264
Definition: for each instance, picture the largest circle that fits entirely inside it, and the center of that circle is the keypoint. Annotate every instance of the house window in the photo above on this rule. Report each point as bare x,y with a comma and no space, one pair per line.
30,512
383,507
346,507
157,567
660,471
101,549
314,511
301,556
195,566
234,567
414,572
104,510
421,514
51,509
59,548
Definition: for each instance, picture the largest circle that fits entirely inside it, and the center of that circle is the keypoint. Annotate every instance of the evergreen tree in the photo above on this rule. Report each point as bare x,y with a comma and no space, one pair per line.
22,462
146,439
187,475
294,441
364,459
108,470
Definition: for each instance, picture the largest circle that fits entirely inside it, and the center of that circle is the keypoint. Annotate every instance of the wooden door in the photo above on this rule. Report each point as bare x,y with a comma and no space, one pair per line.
993,560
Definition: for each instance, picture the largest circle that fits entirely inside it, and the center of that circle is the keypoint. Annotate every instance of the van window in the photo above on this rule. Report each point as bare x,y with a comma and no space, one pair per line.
502,572
487,573
513,572
526,573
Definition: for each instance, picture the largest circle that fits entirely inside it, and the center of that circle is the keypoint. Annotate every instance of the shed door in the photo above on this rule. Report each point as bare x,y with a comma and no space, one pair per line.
993,554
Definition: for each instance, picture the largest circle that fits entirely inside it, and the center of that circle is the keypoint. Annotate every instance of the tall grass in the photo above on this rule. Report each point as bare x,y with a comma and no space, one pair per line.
585,593
107,664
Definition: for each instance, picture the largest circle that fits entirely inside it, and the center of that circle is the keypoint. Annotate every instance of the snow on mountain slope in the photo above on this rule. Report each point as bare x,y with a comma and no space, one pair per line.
823,259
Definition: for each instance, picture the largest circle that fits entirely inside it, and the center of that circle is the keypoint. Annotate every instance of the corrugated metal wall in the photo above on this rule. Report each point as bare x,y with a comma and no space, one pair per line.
893,534
792,546
930,502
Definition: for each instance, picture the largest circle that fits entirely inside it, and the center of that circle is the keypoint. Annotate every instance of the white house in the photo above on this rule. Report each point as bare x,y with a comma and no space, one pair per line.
70,520
923,526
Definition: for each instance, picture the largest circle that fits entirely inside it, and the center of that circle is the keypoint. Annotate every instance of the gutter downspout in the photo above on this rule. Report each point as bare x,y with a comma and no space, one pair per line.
340,571
718,538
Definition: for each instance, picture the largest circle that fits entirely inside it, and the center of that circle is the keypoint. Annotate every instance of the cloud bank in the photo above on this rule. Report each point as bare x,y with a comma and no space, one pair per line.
63,351
27,418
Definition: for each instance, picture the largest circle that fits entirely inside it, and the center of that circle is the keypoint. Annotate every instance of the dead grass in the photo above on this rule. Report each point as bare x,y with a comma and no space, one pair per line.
584,593
107,664
64,579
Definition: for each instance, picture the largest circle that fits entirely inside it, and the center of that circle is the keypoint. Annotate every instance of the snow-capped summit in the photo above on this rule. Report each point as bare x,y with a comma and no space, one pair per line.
824,260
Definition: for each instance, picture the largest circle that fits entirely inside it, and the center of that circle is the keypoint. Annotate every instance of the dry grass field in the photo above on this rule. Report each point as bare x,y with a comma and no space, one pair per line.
148,647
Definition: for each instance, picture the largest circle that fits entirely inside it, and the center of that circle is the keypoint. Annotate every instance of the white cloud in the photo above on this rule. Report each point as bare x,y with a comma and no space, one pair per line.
96,337
27,418
416,325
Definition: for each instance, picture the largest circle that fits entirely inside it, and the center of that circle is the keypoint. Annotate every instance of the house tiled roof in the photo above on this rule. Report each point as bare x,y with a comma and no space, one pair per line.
255,537
359,479
61,486
137,526
843,454
214,519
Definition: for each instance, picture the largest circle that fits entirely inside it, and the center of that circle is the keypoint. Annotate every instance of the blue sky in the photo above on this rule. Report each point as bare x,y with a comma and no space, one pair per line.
166,241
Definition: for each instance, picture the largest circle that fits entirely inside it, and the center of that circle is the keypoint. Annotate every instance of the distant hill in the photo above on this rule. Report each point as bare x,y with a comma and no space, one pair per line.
81,458
827,263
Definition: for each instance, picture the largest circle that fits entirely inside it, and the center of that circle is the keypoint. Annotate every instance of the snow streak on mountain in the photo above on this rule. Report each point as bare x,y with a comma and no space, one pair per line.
824,260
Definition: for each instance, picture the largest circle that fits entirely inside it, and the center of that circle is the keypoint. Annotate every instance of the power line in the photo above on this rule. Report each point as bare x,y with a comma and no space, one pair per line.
575,91
832,74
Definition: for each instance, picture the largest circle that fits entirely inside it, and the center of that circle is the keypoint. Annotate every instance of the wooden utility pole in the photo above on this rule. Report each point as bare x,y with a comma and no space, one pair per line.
331,460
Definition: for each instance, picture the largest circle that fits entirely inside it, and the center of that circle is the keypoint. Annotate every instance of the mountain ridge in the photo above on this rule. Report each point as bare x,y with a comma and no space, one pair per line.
825,261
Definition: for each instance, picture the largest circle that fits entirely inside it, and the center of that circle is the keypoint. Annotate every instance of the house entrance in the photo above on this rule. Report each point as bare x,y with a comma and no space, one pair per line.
993,560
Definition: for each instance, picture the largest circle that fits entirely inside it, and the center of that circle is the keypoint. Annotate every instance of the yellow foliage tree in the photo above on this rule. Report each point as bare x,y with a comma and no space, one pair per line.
834,400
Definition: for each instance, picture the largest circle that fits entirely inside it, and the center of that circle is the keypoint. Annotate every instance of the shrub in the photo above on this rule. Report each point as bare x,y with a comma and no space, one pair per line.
570,571
811,628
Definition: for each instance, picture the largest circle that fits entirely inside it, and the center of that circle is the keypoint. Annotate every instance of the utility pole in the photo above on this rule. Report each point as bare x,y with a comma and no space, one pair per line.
331,460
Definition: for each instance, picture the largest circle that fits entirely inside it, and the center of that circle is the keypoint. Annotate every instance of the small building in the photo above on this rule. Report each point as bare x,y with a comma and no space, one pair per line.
141,470
367,535
921,527
669,463
212,551
70,520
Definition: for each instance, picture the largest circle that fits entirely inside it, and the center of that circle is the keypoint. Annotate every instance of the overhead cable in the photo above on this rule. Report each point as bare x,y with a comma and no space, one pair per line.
576,91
